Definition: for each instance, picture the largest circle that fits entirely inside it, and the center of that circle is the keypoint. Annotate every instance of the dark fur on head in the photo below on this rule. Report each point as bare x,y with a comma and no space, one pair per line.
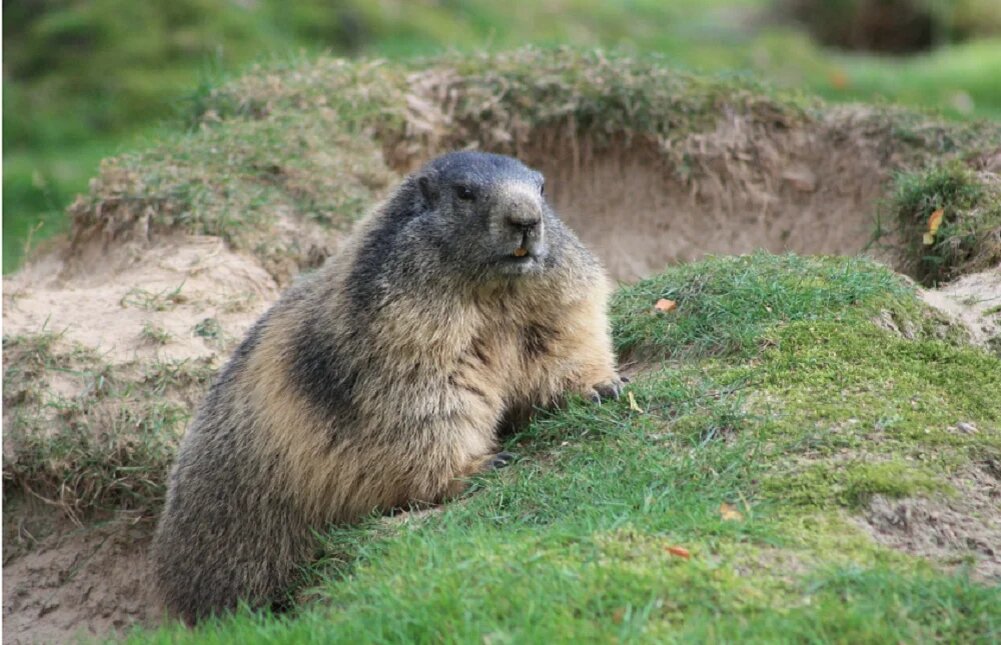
476,210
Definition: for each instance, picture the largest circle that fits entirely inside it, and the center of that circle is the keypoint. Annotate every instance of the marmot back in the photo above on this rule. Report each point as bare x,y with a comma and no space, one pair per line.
380,381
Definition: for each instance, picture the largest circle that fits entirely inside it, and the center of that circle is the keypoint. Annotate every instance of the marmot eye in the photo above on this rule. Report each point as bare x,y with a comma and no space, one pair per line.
464,193
542,188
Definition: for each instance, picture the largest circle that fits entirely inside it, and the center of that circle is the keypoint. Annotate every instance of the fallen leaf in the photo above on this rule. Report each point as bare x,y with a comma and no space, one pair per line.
632,403
933,223
679,551
665,305
729,513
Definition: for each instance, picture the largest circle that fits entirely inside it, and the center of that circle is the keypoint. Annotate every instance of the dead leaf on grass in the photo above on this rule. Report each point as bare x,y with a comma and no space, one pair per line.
729,513
679,551
933,223
632,403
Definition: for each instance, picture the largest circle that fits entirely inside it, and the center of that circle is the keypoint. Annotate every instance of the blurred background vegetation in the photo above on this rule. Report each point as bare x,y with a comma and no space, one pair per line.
83,79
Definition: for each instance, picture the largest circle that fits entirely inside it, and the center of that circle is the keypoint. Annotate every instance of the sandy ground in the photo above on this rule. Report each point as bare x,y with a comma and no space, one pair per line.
172,286
84,581
961,531
80,583
974,301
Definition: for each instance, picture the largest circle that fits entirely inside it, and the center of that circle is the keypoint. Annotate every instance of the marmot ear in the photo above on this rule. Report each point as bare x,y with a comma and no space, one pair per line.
429,188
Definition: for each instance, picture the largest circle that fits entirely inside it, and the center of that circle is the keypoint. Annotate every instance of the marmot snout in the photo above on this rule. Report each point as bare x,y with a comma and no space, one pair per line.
520,213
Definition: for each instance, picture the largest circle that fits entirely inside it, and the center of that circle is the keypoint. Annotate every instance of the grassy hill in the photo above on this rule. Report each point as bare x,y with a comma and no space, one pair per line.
747,489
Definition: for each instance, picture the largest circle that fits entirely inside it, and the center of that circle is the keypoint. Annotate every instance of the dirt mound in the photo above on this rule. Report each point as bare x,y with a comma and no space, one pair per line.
647,187
975,302
142,303
78,583
280,160
961,529
102,369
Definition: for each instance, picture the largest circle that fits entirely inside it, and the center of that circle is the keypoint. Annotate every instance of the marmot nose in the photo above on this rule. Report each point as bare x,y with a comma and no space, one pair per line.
523,219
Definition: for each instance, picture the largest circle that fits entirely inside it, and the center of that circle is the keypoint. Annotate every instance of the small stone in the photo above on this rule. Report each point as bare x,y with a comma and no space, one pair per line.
801,178
968,428
47,608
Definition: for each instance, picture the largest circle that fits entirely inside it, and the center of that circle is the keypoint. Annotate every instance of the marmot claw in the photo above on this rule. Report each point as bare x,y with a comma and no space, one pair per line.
502,459
607,390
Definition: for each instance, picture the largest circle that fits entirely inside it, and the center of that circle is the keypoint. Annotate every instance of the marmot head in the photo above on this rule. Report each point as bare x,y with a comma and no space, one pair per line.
487,213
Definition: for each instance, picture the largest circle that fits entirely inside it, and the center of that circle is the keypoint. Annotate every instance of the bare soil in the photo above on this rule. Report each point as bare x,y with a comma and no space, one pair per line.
105,302
629,205
77,583
961,530
89,580
974,301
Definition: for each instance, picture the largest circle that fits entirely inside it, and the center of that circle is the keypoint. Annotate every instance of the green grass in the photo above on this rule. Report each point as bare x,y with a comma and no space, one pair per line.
725,309
794,414
956,80
39,184
968,238
154,334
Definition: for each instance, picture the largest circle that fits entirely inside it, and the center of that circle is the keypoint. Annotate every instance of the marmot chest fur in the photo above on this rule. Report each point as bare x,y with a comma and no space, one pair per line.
380,381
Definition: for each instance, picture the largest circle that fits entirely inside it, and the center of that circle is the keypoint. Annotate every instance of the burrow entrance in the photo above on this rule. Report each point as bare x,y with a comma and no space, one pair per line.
640,212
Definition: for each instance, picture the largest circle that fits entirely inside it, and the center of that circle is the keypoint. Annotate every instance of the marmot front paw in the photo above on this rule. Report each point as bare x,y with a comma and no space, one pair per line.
501,459
609,389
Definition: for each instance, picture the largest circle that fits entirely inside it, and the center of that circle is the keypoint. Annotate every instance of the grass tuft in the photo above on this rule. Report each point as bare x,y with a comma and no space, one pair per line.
969,236
154,334
107,446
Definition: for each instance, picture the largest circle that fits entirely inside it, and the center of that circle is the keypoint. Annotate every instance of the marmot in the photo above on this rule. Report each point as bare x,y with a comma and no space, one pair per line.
381,380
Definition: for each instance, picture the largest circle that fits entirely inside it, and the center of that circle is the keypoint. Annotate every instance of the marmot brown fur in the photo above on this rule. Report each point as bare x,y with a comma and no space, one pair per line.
380,381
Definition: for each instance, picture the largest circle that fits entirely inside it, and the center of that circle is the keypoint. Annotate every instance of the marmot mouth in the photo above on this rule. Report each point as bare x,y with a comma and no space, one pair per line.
522,253
509,262
514,265
526,252
518,259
